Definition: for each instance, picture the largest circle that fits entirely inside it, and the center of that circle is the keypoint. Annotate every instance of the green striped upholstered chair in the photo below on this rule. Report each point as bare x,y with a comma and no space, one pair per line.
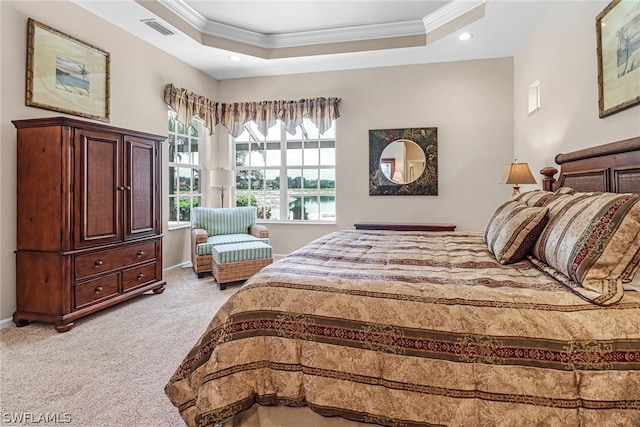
221,226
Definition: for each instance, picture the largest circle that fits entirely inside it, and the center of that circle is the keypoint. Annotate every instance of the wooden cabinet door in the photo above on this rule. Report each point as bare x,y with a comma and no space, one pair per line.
43,215
141,203
98,188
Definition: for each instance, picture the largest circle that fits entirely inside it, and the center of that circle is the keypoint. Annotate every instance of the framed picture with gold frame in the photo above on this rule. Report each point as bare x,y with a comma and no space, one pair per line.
65,74
618,36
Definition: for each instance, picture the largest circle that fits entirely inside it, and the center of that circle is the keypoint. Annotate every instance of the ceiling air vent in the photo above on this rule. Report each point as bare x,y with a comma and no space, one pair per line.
158,27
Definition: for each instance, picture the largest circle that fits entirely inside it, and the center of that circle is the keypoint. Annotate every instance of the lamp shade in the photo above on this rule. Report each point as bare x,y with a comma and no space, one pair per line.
397,176
517,173
221,178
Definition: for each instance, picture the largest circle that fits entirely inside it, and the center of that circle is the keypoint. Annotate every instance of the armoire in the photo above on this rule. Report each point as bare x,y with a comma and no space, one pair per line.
89,229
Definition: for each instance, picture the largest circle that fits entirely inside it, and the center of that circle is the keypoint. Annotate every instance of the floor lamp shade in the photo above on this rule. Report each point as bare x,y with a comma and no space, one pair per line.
221,178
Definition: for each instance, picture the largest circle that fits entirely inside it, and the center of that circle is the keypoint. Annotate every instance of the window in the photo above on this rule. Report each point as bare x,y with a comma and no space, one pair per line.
185,169
287,177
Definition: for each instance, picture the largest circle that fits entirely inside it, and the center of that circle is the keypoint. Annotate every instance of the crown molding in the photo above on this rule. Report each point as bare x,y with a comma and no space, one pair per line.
452,16
236,34
307,38
349,34
447,13
303,38
186,12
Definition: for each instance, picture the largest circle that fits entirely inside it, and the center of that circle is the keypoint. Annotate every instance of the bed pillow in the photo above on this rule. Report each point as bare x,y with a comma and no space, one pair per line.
534,197
594,240
565,190
513,229
542,197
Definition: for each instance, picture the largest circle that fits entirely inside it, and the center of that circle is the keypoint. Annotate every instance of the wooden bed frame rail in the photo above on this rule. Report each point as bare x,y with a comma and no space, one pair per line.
613,167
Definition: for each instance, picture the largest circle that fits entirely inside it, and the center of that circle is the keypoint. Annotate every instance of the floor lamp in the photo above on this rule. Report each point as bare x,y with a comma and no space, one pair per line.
221,178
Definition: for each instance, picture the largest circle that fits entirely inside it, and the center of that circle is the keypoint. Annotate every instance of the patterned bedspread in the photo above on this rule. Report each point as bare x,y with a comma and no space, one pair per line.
414,329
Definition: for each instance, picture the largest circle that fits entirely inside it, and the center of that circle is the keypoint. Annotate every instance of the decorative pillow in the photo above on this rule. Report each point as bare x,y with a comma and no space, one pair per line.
565,190
513,229
594,240
543,197
534,197
556,205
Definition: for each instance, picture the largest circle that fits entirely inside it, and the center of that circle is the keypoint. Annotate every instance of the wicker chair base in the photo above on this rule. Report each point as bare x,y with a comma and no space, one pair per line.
202,264
235,271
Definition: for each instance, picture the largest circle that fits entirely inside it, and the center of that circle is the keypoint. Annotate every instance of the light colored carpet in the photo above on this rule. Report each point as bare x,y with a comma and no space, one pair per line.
111,368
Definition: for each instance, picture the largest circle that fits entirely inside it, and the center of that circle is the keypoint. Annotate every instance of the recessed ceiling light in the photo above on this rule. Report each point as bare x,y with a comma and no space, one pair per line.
234,58
465,36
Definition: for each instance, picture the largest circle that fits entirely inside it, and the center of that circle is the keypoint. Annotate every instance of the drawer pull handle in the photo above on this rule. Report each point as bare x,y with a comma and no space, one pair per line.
140,276
98,289
140,253
98,263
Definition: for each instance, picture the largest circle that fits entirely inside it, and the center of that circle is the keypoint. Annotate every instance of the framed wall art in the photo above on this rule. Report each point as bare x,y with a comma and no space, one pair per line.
403,162
65,74
618,37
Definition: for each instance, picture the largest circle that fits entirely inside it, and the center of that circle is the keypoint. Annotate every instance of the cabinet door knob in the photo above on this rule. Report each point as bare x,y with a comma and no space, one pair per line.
128,188
140,276
98,289
140,253
121,188
98,263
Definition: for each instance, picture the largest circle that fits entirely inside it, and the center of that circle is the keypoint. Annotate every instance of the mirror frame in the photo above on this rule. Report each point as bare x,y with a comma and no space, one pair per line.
426,184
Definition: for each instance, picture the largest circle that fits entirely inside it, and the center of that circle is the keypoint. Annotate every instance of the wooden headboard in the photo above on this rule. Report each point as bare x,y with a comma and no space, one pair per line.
613,167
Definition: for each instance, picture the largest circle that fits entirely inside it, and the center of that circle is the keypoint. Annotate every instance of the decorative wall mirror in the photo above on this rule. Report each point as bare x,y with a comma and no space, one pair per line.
403,161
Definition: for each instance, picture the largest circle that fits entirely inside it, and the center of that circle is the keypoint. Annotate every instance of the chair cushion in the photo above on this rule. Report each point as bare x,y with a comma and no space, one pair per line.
225,239
217,221
237,252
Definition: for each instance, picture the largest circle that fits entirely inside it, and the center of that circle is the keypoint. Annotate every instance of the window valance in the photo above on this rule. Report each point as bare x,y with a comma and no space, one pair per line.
188,104
321,111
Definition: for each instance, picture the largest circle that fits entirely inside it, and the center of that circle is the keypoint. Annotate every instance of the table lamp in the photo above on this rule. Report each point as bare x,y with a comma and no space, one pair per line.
517,173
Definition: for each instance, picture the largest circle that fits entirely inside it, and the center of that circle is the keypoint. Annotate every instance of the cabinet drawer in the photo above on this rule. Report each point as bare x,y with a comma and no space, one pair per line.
96,290
99,262
134,277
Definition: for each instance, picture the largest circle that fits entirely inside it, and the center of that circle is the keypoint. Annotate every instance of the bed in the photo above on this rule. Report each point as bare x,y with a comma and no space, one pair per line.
534,321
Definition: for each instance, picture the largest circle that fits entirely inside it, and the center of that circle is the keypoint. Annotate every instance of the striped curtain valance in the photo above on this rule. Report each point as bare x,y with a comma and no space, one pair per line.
321,111
188,104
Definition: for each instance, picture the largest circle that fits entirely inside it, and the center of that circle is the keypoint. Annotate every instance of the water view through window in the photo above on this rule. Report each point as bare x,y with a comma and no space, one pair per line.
287,177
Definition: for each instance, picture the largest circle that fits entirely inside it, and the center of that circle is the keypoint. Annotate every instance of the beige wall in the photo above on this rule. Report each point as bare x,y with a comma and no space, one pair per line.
561,53
471,104
138,75
479,107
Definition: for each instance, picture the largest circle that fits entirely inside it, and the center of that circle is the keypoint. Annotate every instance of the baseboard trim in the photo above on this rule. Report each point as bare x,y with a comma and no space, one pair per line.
5,323
177,266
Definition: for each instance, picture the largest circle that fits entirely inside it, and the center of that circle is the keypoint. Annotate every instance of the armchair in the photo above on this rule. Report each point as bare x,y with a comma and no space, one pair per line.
211,227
